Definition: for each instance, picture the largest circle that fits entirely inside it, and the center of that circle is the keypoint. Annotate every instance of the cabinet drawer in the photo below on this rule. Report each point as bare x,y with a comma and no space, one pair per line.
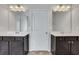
0,38
3,47
66,38
60,39
19,38
70,38
8,38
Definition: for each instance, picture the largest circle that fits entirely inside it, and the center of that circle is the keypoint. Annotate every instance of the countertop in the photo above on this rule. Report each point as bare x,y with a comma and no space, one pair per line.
13,33
65,33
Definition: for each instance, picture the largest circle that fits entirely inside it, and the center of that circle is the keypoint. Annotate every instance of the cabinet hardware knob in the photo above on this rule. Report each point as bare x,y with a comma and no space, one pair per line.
60,39
69,42
72,42
24,38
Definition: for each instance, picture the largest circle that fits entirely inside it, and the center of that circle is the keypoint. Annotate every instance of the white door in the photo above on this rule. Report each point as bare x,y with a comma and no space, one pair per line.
39,35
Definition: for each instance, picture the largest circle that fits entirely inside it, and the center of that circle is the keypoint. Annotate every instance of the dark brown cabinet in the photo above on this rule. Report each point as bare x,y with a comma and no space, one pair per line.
14,45
3,47
75,48
17,46
66,45
62,46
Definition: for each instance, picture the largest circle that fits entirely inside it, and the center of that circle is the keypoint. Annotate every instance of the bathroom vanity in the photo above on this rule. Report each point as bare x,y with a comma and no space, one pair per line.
14,44
65,32
65,44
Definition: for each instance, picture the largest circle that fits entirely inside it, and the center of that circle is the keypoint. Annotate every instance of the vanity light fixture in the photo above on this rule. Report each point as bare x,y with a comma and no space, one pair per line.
61,8
17,8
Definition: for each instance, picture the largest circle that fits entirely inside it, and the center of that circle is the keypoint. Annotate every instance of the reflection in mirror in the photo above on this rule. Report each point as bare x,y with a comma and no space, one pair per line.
21,22
20,15
61,18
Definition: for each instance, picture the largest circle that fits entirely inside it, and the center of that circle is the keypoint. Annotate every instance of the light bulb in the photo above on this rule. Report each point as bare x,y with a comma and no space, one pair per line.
21,7
16,7
57,6
68,7
60,8
63,7
11,7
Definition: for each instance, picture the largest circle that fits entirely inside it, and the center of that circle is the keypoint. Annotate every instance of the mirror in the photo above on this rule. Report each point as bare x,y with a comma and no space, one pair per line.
61,21
19,18
21,22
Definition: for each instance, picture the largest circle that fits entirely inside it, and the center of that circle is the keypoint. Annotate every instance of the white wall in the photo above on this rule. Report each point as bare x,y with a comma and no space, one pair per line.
12,21
7,19
3,19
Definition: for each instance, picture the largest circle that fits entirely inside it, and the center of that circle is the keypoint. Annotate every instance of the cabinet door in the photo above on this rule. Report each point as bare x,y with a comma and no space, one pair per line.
3,47
17,47
62,46
75,48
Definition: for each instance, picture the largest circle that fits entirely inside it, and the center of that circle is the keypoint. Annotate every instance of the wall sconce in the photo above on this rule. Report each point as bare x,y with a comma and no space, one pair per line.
17,8
61,8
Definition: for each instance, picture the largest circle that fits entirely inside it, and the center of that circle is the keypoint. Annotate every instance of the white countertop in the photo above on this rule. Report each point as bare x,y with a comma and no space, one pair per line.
13,33
65,33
